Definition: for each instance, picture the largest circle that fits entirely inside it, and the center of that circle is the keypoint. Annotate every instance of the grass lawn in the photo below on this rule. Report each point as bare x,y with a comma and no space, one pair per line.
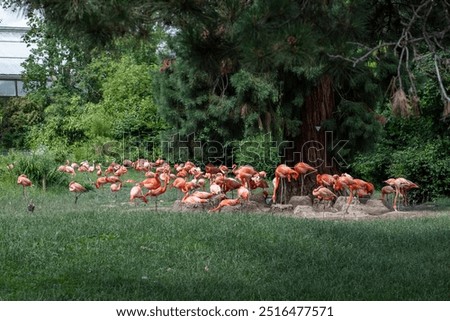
103,248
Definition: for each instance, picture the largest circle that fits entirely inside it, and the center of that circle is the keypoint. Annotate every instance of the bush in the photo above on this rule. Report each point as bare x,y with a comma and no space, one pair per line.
258,152
428,166
40,168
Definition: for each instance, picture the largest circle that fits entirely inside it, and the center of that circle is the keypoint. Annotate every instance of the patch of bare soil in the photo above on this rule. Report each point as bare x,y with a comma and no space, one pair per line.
304,207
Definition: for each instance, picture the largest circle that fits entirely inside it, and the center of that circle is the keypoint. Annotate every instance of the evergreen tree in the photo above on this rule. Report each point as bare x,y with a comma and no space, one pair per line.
236,68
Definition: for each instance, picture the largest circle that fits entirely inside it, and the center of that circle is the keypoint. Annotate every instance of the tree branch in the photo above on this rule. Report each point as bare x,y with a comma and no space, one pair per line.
441,85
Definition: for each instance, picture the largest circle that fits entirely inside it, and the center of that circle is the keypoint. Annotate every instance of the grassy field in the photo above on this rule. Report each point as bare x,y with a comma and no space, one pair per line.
103,248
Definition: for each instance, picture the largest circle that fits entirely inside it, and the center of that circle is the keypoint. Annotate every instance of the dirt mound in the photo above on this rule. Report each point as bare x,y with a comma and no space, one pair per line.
304,207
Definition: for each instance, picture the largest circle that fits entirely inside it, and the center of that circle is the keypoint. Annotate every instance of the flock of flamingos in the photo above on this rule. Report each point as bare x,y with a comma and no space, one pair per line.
191,181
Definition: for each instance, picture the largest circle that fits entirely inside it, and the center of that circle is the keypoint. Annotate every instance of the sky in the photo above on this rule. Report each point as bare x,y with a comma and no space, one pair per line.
11,19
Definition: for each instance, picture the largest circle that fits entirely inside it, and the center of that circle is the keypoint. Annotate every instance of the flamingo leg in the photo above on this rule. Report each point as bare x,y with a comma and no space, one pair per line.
405,198
275,188
25,193
303,181
395,198
323,211
350,198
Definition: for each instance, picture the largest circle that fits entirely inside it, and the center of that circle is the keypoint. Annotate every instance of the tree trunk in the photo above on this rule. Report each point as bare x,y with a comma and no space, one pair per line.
310,146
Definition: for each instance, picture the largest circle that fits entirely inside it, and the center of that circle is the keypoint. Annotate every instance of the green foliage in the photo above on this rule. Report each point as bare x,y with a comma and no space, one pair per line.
40,167
373,166
415,148
259,151
122,108
355,123
18,116
62,126
428,166
126,111
239,69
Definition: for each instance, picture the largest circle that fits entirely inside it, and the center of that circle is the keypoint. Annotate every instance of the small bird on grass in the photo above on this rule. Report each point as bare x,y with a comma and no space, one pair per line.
31,206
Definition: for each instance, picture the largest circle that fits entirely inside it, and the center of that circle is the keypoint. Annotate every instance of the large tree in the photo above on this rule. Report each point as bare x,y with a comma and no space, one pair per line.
293,68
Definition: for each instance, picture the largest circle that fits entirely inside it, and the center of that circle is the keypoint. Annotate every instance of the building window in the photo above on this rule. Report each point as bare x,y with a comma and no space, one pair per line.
20,90
8,88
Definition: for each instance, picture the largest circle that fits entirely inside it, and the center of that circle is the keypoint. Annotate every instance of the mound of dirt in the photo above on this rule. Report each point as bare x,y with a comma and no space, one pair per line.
300,201
304,207
245,207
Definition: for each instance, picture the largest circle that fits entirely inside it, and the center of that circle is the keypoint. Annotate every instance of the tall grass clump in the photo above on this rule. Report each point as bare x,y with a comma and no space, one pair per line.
41,168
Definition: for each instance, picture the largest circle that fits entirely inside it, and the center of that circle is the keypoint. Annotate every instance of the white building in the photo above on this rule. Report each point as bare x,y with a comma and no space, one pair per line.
13,52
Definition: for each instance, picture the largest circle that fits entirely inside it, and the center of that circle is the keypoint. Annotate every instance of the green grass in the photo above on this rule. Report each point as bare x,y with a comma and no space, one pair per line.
102,248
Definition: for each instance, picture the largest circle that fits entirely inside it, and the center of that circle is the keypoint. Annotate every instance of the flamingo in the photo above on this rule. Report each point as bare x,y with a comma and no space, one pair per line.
215,189
226,202
188,165
158,191
102,180
25,182
244,193
136,192
346,181
112,179
111,168
364,188
244,174
83,169
152,181
386,190
212,170
201,183
98,167
258,182
227,183
192,199
282,172
115,187
402,186
122,170
188,186
76,188
202,195
224,169
67,169
325,180
303,169
323,194
178,183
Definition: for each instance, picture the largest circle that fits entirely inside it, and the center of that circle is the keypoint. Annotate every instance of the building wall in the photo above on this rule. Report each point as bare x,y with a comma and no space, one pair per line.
13,52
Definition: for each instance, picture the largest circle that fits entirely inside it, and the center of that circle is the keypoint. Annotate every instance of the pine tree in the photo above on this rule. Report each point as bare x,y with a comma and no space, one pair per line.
233,69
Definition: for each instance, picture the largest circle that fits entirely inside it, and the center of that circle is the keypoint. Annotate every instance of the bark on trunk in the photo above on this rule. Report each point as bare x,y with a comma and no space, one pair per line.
310,146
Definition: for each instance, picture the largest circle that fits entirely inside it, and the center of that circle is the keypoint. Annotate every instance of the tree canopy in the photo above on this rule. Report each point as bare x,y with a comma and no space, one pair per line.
234,71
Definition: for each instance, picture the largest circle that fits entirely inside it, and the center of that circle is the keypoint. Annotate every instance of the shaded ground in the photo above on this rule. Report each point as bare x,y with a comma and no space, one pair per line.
303,207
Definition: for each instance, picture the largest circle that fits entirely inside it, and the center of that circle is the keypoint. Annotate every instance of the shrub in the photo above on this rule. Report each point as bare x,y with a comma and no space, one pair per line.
258,152
427,165
41,169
